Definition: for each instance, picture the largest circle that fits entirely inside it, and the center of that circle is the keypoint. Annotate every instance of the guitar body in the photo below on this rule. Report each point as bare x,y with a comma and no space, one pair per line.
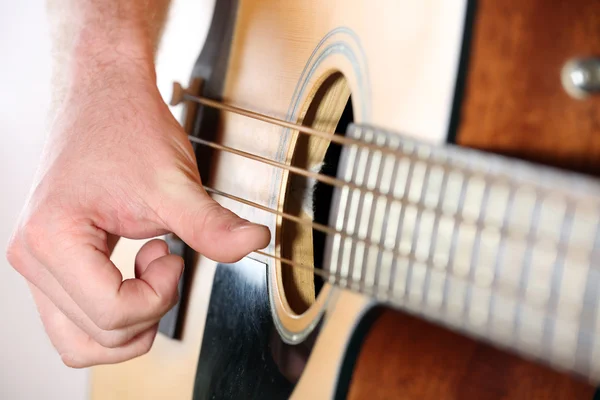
479,74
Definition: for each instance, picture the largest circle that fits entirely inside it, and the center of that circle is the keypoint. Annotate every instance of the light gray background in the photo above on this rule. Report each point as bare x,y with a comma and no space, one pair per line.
29,366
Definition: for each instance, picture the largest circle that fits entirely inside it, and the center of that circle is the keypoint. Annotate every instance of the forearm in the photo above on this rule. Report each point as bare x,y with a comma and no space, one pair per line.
103,42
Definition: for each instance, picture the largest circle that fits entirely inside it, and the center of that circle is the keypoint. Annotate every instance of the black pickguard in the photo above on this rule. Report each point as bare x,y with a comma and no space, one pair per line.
240,341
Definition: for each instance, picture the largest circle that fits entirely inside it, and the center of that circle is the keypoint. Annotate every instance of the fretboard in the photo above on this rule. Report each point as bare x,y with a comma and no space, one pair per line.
499,249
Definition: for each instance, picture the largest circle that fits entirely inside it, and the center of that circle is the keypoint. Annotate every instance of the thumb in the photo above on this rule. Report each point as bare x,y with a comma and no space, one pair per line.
213,230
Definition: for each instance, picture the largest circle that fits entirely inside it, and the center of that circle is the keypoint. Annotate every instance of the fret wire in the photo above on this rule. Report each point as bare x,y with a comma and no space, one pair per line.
384,225
398,237
476,248
454,239
557,271
498,265
359,218
415,235
434,234
349,201
526,263
341,208
372,214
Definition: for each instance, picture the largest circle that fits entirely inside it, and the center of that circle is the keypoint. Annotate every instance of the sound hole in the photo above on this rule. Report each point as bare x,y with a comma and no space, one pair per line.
329,109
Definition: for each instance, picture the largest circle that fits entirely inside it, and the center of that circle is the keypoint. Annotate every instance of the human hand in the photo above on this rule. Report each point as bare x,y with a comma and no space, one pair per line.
116,163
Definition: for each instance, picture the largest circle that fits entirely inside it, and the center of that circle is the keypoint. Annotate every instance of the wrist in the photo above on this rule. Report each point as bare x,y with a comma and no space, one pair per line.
100,61
102,54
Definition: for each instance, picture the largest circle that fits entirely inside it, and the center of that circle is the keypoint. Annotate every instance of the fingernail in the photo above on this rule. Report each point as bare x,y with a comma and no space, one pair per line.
241,224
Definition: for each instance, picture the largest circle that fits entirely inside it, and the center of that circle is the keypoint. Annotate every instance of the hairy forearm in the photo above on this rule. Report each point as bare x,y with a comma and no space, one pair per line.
96,43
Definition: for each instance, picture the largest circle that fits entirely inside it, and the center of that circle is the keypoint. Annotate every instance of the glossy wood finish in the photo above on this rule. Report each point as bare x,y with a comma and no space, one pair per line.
514,102
407,358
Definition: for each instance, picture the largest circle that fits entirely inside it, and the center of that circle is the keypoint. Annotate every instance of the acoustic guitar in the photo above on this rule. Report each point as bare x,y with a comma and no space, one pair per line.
435,218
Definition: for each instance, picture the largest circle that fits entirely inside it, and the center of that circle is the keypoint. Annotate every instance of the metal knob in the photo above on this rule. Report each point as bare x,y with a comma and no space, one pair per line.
581,77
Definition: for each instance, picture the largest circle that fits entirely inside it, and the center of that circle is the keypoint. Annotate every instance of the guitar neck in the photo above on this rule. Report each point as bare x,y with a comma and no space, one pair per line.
499,249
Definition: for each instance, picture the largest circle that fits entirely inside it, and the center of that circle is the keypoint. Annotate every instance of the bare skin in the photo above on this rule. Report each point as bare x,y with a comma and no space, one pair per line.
116,164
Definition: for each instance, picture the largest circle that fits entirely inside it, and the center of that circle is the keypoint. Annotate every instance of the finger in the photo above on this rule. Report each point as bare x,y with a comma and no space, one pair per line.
211,229
78,261
41,278
79,350
149,252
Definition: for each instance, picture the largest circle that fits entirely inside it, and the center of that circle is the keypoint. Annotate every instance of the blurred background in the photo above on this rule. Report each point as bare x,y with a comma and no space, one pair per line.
29,366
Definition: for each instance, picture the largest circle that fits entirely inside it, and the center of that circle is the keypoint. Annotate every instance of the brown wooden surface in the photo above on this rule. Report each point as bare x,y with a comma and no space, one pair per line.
407,358
514,101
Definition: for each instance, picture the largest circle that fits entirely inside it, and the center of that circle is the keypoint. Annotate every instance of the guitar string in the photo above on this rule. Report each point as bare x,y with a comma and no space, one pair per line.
319,227
331,181
336,138
561,245
333,137
412,156
403,201
297,170
358,284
